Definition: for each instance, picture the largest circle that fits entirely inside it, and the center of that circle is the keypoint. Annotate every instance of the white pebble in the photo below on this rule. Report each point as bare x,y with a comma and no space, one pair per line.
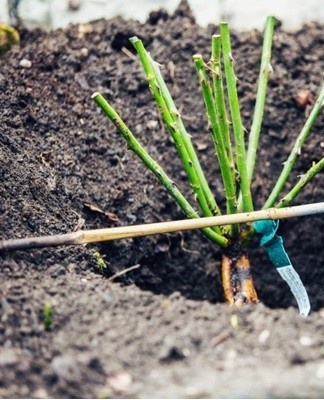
84,52
152,124
24,63
305,341
120,381
264,336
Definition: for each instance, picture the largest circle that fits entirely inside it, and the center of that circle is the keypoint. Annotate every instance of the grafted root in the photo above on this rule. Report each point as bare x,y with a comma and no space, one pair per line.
236,276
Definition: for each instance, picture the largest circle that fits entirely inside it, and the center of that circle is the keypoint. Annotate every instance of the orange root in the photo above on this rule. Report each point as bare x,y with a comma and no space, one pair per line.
237,280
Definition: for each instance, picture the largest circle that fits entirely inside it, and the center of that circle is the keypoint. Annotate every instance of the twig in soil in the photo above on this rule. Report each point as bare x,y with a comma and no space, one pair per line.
220,338
124,232
123,272
129,54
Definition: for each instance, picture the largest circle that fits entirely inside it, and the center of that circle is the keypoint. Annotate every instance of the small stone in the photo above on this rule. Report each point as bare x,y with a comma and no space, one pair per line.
74,5
40,393
162,247
85,28
175,295
304,98
152,124
24,63
120,381
84,52
305,341
201,146
264,336
234,321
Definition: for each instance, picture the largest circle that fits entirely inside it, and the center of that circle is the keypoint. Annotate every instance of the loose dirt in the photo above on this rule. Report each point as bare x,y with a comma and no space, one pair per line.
162,329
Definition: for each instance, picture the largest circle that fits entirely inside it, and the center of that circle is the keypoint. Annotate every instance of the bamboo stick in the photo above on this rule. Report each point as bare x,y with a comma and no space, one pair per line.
124,232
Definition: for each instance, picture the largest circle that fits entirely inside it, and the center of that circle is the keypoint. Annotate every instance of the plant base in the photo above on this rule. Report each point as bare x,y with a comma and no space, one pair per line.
237,281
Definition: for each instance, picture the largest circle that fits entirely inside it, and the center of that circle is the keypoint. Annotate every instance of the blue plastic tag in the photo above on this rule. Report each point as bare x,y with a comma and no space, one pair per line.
279,258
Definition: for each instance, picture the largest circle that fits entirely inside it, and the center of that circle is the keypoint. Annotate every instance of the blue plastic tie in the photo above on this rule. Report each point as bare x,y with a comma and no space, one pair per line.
279,258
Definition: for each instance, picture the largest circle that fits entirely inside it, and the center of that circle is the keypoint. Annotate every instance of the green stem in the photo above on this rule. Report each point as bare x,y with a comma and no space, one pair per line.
213,206
288,165
226,171
236,118
152,165
303,181
172,127
215,63
265,70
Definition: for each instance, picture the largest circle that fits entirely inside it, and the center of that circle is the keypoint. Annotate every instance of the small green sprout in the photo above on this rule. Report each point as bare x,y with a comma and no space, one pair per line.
48,316
100,261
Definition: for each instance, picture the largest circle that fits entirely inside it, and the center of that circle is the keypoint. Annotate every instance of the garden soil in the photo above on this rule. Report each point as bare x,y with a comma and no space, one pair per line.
162,328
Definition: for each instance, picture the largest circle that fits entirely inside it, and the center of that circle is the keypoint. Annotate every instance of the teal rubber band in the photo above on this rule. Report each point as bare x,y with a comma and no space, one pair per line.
272,242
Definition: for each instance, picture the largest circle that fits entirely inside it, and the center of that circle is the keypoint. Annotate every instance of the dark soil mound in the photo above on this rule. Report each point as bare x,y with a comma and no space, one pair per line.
160,331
